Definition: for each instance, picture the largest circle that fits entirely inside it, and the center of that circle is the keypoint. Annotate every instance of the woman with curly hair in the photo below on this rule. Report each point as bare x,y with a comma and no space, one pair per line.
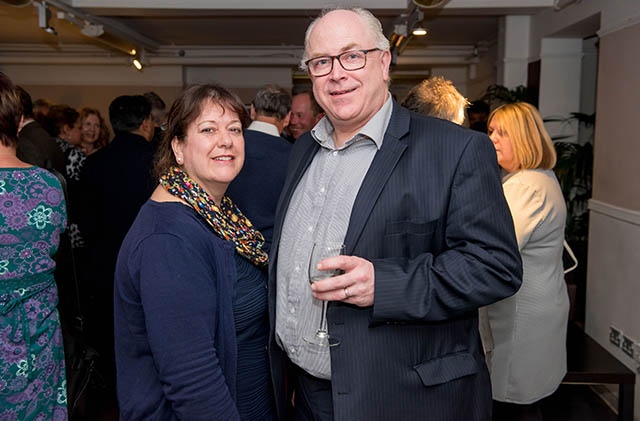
94,131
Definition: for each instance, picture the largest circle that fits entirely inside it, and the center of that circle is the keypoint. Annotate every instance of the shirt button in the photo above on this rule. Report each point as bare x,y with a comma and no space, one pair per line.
310,228
292,350
293,310
335,153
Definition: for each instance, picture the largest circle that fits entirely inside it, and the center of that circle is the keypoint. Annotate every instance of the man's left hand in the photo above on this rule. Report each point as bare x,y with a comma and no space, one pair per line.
355,286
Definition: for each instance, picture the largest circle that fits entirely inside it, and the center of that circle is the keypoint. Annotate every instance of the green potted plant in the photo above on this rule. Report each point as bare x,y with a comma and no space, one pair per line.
502,95
574,170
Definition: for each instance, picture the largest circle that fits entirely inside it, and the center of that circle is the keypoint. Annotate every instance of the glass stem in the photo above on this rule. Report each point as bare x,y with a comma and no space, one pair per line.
323,319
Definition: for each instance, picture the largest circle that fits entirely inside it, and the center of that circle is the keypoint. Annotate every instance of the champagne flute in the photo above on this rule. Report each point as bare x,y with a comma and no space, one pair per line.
320,252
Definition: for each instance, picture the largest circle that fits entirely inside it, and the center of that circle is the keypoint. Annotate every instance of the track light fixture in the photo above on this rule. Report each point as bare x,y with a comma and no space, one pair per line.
44,14
419,31
138,60
114,36
405,26
430,3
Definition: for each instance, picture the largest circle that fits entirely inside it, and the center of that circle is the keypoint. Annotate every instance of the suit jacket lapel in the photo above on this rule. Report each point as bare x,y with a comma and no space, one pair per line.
306,156
379,172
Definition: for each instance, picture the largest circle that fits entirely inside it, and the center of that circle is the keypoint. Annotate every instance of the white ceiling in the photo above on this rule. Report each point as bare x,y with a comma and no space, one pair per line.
233,32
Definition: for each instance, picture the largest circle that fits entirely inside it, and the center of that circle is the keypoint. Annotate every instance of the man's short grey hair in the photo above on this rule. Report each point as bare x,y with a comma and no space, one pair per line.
158,107
437,97
272,101
371,22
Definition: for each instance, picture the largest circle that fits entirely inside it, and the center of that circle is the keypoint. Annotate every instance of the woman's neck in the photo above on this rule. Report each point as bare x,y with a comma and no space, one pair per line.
8,158
88,148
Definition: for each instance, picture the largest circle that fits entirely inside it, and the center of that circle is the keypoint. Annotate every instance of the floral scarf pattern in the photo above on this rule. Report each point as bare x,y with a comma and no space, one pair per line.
226,219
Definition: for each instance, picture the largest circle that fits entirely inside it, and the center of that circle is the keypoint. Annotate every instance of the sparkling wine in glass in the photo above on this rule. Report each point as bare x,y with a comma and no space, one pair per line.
320,252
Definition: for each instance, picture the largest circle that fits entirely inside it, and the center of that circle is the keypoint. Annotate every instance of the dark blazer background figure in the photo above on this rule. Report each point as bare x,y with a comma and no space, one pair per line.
116,181
257,188
35,145
431,217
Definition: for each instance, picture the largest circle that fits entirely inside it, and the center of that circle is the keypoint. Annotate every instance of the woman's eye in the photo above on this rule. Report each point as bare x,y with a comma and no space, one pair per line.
236,130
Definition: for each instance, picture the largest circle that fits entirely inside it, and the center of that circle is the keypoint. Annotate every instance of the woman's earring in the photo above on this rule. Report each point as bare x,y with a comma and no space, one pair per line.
179,160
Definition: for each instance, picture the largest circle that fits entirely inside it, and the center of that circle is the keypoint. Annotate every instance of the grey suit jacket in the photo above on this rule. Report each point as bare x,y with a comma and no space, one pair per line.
432,218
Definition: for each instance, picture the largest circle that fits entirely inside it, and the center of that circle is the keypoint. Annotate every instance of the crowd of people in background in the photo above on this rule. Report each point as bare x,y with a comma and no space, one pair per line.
200,221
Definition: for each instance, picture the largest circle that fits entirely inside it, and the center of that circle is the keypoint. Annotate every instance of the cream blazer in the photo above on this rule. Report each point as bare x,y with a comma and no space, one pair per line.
529,328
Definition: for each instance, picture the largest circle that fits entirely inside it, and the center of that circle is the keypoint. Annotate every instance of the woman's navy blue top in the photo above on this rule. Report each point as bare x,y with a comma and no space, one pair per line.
254,397
179,290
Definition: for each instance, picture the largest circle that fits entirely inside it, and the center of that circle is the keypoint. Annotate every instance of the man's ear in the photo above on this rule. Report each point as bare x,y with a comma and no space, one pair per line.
253,112
64,131
385,57
286,120
148,127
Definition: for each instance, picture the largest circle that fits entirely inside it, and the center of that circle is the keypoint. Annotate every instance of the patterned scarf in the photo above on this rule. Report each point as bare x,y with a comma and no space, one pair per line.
226,220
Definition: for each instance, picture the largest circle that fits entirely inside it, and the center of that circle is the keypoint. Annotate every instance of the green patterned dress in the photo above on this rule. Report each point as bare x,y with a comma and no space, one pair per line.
32,374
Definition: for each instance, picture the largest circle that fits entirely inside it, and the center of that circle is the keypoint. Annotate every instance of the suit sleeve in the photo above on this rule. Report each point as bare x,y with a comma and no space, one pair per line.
479,262
178,291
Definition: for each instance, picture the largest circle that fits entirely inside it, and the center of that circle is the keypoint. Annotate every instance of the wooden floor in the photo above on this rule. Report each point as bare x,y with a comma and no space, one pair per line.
569,403
576,403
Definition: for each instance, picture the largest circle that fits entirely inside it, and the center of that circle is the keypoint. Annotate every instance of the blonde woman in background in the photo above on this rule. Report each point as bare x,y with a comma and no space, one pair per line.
95,133
529,328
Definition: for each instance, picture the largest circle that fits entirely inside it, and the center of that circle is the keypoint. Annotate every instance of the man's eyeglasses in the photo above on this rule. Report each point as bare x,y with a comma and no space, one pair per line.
349,60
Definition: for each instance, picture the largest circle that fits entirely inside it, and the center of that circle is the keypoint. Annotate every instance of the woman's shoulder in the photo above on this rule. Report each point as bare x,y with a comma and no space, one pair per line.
533,187
533,178
31,174
167,215
175,219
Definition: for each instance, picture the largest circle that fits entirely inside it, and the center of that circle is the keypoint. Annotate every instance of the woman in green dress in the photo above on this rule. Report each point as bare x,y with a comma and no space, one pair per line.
32,216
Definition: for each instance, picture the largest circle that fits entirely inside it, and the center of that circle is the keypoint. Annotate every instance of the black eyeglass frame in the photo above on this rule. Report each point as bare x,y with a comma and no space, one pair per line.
337,57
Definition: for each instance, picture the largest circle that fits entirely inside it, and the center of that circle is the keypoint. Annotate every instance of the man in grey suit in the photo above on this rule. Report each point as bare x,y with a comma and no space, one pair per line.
418,203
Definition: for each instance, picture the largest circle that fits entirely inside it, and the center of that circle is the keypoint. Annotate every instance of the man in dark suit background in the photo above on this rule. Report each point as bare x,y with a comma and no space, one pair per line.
418,203
115,182
257,188
35,146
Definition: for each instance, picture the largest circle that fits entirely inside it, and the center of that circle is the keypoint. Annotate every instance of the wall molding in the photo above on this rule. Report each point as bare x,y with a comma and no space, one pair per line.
616,26
622,214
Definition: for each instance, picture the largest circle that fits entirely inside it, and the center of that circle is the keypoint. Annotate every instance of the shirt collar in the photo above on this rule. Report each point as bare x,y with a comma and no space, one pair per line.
261,126
375,128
